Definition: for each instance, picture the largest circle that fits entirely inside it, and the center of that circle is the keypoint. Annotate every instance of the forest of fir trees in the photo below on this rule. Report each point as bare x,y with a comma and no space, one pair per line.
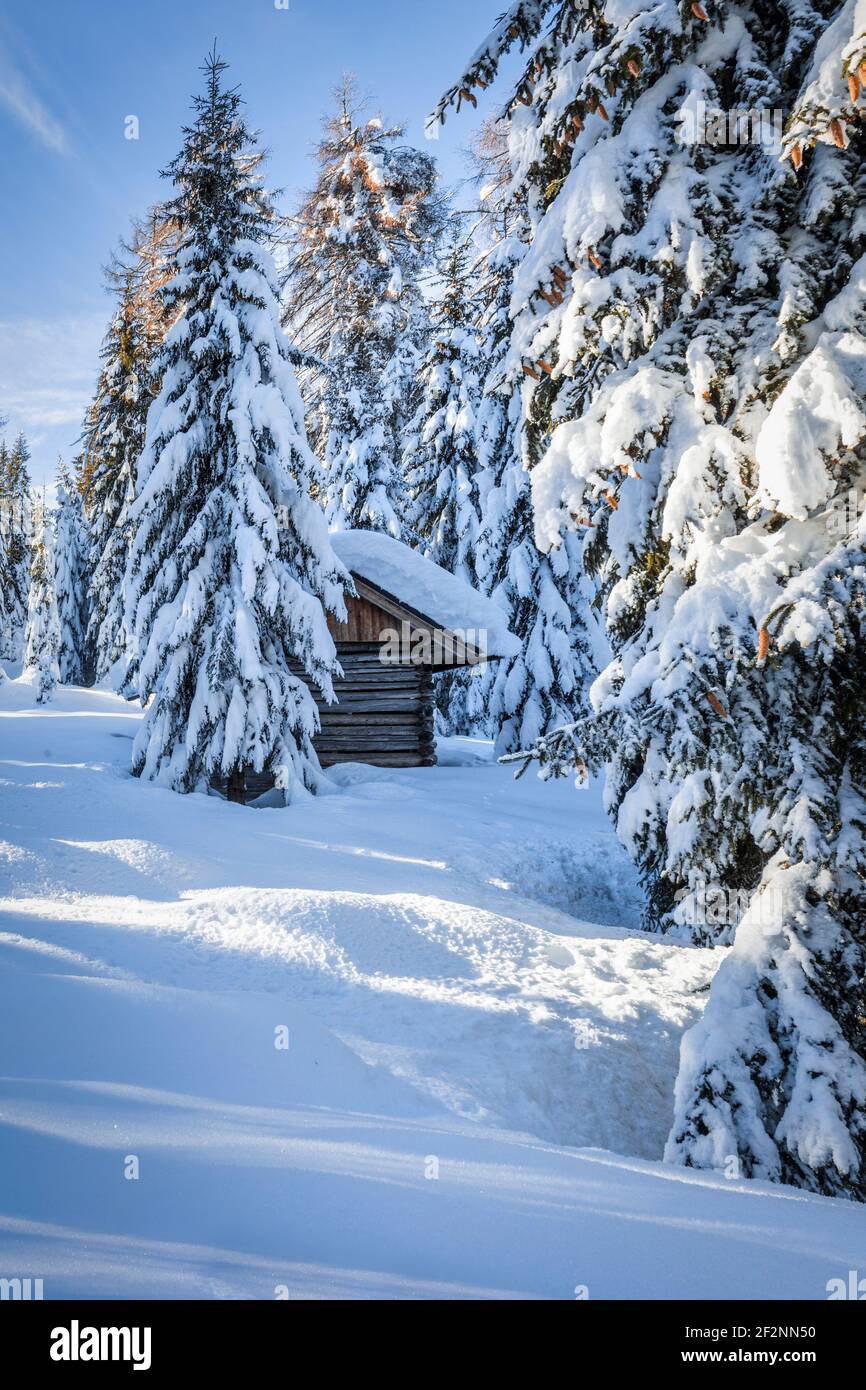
619,389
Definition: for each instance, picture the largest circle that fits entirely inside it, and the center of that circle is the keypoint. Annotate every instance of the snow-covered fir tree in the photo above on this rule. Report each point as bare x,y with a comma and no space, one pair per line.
439,454
115,432
358,248
440,460
546,684
42,642
786,1091
689,314
230,571
71,580
115,438
5,564
16,526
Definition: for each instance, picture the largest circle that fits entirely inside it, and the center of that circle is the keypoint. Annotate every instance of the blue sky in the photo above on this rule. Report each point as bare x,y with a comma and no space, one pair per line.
71,71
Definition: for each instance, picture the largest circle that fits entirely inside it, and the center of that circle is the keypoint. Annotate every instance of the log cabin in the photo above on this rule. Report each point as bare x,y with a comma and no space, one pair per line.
407,620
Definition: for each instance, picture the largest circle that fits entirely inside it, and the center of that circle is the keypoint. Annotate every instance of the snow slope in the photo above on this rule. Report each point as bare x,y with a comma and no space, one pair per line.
453,957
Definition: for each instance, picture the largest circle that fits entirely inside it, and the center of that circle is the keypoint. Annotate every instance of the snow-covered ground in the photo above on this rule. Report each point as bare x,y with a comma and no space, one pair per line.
481,1047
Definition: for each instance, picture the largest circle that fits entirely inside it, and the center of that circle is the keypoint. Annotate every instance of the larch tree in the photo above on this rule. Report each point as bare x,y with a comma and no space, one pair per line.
689,314
357,250
230,572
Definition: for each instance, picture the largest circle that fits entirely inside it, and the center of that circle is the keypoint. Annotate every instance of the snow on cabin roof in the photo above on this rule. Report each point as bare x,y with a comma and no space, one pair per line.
405,575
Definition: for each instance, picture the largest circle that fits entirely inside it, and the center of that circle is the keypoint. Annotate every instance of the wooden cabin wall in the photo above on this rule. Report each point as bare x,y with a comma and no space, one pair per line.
365,623
384,715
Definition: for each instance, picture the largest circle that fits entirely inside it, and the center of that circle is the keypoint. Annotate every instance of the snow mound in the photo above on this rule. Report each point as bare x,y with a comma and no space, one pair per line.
574,1041
354,1045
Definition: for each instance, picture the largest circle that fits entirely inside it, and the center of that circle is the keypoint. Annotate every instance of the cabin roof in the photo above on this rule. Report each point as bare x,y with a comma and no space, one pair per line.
439,598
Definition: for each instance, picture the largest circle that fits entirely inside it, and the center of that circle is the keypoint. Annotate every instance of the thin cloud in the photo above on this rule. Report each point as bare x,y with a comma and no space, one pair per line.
48,372
18,96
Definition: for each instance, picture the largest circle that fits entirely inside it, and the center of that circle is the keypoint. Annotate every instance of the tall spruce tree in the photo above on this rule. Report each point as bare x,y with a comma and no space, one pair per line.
689,314
16,524
546,684
439,454
440,457
230,571
42,640
5,563
357,249
786,1091
71,581
115,431
114,435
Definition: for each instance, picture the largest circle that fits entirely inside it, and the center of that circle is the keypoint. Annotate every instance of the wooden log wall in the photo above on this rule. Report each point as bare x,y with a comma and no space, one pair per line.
365,622
384,715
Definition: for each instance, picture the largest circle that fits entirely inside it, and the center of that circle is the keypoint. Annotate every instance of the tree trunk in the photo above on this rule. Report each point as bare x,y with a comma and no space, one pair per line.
236,789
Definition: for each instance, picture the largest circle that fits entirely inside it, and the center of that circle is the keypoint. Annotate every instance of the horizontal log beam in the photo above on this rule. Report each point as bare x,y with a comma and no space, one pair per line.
380,759
358,723
371,745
